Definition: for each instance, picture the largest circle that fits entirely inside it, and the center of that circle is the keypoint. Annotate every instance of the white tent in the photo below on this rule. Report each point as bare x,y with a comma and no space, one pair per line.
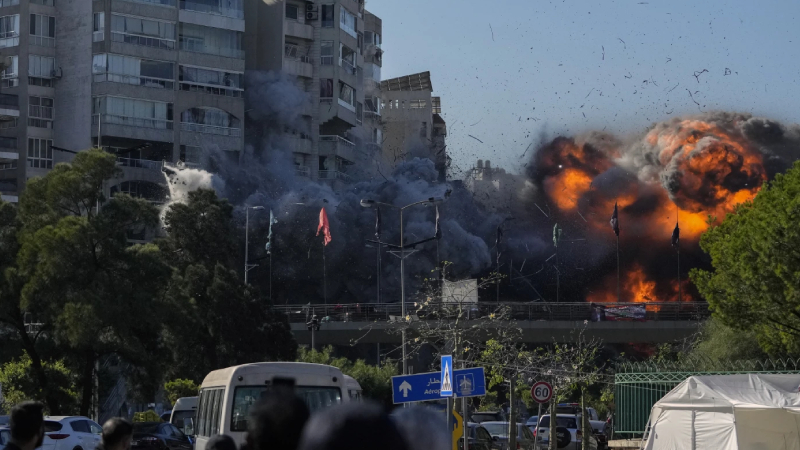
728,412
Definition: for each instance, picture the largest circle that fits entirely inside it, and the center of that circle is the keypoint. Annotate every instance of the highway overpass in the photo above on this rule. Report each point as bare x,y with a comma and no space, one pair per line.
540,322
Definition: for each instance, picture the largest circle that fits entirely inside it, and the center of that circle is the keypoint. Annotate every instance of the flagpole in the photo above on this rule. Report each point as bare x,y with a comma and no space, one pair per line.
498,272
678,248
558,277
270,275
324,276
618,284
379,271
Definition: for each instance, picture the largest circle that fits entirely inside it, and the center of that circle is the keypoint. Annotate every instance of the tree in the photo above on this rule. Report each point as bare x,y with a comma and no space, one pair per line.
719,343
20,383
99,295
212,312
376,382
755,255
179,388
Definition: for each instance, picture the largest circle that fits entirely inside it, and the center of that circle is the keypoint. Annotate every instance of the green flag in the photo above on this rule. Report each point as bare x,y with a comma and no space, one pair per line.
556,235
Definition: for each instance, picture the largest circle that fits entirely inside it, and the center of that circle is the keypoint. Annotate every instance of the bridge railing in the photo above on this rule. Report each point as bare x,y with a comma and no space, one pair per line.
378,312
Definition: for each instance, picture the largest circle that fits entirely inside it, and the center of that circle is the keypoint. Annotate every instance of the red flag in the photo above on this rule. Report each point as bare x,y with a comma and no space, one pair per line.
323,225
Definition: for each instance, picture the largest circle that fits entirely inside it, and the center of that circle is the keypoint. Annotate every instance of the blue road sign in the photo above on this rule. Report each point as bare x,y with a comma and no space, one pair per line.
423,387
470,382
446,388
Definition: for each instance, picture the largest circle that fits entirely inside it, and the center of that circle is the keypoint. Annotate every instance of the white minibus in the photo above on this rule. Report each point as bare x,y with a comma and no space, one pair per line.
353,388
226,395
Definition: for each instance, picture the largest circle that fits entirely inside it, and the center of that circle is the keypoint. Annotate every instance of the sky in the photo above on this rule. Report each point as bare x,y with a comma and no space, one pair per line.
511,71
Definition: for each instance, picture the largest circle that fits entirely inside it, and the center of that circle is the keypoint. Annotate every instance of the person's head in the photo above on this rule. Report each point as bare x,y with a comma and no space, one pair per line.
27,424
117,434
221,442
352,426
276,421
423,429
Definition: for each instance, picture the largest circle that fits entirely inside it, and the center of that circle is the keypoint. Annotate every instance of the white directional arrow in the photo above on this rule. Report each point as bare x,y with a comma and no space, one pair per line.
404,388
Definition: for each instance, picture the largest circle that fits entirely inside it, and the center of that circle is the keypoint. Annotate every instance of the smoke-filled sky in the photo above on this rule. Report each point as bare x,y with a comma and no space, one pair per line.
508,69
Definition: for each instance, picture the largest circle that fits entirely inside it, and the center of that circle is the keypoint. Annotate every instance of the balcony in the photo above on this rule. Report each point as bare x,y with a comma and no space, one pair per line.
9,107
333,175
337,146
236,11
138,122
211,129
141,170
299,30
302,171
300,67
301,145
140,163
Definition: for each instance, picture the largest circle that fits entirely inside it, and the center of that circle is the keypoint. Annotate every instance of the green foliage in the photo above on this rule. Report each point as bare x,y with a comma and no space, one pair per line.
376,382
20,383
222,321
179,388
755,255
146,416
719,343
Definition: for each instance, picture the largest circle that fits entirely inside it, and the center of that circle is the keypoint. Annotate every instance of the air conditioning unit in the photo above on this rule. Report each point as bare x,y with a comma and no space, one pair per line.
312,15
56,73
310,7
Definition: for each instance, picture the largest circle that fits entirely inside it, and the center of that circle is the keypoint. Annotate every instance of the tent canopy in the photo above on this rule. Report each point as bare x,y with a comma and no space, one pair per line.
728,412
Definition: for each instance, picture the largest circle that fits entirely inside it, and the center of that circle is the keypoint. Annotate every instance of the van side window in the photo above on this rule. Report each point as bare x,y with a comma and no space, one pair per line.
209,411
216,410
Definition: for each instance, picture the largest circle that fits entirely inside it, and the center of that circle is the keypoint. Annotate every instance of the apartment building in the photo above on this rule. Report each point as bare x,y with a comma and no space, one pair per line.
413,124
151,80
332,51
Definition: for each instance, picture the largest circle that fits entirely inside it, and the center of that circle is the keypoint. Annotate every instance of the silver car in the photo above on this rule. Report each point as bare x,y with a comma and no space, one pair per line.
499,432
568,434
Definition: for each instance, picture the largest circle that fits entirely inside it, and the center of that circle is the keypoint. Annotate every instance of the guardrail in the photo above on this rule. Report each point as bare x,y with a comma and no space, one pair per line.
576,312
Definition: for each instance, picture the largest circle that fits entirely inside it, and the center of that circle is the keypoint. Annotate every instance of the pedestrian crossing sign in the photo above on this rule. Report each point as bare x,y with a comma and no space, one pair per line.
446,388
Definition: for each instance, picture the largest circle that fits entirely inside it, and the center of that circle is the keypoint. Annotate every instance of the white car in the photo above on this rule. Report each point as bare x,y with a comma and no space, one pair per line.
568,434
71,433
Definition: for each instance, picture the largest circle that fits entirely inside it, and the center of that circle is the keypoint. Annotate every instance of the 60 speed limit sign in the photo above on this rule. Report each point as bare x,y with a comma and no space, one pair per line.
542,392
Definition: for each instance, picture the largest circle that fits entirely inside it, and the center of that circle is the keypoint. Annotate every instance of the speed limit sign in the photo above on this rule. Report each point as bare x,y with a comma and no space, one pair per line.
542,392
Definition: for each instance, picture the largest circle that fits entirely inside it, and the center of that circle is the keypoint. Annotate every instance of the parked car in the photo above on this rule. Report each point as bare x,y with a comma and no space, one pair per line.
487,416
531,423
5,435
166,415
159,436
568,433
479,438
499,432
4,420
70,433
598,426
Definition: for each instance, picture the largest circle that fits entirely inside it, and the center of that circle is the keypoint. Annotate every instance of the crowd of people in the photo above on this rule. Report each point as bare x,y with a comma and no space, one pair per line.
280,421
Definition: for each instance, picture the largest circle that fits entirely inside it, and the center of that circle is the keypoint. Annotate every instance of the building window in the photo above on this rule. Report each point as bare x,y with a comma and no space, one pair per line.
347,96
156,2
211,81
359,113
347,59
8,143
40,153
190,154
141,31
10,75
211,121
9,3
327,16
40,112
292,11
326,88
43,30
372,38
44,2
347,22
99,26
41,70
360,40
423,130
132,112
211,41
326,52
377,136
9,31
132,70
290,50
417,104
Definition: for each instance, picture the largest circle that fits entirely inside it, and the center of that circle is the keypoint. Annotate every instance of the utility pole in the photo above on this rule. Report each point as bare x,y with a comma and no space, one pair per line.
247,265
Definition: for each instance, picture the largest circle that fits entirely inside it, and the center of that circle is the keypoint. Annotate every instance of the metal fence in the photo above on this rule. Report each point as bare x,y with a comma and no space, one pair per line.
373,312
638,386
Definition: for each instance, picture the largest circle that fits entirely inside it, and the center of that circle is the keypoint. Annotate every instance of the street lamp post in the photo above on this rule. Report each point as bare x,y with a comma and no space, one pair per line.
369,204
247,265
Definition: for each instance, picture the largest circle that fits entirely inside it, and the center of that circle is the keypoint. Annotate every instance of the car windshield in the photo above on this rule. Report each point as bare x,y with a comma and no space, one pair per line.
567,422
178,416
316,398
500,429
485,417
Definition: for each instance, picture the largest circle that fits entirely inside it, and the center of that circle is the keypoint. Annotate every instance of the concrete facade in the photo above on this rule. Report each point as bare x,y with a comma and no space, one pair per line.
413,123
331,51
161,77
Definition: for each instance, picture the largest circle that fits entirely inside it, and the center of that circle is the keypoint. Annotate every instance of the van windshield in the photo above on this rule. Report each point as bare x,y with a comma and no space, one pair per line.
316,397
178,416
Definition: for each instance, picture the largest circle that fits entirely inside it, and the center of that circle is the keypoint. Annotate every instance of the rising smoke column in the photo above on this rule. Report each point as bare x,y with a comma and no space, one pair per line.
695,168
